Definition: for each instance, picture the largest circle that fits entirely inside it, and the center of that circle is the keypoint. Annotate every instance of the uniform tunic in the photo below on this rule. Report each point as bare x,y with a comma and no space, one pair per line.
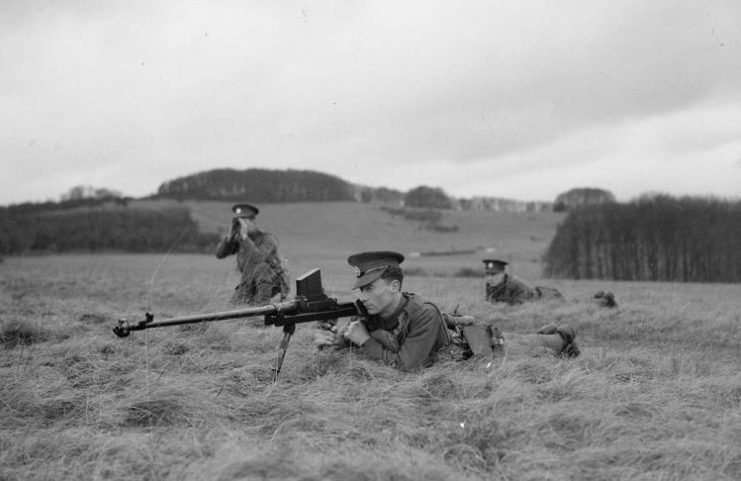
513,290
416,332
259,265
509,289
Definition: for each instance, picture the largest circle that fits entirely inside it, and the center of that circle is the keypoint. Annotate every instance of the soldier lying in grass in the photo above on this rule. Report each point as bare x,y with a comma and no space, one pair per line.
402,329
501,286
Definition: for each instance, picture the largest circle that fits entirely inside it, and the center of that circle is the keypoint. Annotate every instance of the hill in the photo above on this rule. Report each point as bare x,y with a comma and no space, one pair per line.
277,186
258,185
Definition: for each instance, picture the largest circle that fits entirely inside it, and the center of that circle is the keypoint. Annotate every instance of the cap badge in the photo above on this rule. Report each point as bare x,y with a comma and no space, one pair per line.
357,271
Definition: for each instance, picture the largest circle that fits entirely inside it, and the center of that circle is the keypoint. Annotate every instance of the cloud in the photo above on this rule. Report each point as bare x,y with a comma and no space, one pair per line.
127,95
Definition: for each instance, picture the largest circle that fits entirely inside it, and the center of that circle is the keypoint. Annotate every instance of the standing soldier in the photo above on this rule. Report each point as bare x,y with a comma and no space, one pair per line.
262,274
501,286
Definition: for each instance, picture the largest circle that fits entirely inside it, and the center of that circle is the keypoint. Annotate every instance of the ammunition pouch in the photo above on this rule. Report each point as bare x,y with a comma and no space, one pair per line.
470,337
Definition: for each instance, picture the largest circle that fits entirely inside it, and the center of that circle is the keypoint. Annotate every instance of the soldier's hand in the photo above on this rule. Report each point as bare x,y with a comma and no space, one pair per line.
340,326
356,333
334,325
329,334
324,338
327,325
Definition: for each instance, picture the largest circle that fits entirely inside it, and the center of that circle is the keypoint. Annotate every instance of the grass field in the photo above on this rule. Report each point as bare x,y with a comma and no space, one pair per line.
655,395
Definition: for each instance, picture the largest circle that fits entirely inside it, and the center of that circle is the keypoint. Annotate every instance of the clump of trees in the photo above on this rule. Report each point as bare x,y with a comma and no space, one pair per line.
102,230
656,238
428,198
258,185
582,197
80,192
382,195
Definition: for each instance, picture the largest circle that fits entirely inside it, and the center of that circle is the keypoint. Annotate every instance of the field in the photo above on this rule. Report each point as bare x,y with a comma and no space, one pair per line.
655,395
324,234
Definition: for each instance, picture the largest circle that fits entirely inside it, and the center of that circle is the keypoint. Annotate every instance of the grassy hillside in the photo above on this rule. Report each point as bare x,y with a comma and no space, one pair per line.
324,234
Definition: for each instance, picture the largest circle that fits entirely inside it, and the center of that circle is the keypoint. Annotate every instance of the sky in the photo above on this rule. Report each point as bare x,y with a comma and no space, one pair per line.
522,99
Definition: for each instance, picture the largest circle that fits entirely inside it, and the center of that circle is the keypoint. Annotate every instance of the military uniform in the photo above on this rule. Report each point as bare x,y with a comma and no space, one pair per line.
509,289
501,286
262,275
410,339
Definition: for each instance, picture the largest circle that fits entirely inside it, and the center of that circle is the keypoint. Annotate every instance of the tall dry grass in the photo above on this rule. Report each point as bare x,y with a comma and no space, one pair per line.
655,395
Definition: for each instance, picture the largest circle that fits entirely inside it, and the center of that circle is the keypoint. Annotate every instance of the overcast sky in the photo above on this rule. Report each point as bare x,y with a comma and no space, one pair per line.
510,98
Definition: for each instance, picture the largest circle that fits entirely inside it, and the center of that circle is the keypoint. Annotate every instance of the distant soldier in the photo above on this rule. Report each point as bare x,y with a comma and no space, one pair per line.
405,331
501,286
605,299
261,269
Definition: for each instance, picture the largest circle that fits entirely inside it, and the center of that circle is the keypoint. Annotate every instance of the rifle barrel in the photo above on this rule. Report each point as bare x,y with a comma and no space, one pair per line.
219,316
123,327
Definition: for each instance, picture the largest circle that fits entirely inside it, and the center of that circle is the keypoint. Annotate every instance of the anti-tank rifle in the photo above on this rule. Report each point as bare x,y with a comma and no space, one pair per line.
310,304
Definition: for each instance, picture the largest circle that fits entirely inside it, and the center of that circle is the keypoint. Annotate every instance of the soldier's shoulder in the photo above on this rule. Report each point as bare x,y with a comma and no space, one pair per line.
516,280
418,305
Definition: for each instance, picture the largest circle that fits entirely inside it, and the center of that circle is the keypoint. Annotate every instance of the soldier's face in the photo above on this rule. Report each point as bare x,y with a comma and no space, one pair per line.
494,278
380,296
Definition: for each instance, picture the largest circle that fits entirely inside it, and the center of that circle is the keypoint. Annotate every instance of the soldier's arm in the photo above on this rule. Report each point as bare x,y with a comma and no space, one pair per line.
227,247
489,292
521,292
269,249
497,293
423,334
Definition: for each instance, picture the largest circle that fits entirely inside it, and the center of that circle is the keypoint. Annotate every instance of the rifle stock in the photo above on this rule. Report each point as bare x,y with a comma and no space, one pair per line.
311,304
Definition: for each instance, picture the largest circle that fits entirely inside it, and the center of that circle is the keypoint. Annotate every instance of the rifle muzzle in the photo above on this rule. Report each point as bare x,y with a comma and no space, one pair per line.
123,328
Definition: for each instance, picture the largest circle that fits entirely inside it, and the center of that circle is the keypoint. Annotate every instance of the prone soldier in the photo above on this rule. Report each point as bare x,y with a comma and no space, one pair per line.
402,329
501,286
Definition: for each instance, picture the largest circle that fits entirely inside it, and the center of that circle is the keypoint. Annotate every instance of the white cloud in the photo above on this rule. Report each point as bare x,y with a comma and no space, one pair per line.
473,97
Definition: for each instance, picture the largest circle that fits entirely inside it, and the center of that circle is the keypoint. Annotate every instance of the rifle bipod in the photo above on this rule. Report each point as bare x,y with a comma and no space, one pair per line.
288,330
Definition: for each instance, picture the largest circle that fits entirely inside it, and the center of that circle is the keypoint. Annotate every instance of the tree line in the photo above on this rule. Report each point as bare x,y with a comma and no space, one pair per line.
101,230
654,238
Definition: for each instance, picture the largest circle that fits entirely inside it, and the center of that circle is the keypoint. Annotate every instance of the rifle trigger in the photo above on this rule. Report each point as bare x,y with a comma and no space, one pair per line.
362,311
